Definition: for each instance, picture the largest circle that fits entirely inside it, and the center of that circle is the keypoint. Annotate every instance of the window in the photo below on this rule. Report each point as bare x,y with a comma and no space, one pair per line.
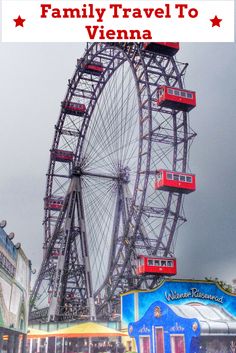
150,262
176,177
183,94
169,263
169,176
170,91
182,178
157,263
189,95
176,93
163,263
189,179
160,92
140,261
159,176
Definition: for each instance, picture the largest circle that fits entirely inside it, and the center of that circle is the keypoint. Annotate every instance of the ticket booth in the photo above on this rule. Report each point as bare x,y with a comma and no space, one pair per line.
181,316
162,330
184,329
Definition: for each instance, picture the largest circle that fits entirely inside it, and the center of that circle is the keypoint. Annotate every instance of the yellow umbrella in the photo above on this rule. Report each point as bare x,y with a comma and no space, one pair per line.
87,329
33,333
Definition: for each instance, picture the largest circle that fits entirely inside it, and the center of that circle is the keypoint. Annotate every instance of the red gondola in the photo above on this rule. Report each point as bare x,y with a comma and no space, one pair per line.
53,203
55,253
62,156
94,67
156,265
165,48
174,181
73,108
176,98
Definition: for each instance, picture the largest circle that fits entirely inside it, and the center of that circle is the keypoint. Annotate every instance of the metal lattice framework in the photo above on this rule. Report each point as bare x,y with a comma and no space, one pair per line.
111,212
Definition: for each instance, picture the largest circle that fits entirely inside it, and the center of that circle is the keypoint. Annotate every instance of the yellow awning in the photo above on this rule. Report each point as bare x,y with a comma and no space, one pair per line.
87,329
33,333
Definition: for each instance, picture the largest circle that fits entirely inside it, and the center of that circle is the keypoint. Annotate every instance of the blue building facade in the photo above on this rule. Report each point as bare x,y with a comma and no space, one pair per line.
181,317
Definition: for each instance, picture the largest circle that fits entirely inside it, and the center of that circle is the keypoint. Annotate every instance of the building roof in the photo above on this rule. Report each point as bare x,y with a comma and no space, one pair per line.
213,319
87,329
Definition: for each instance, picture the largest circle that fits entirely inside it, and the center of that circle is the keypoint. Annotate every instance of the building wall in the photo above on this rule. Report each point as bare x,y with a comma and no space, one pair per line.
14,285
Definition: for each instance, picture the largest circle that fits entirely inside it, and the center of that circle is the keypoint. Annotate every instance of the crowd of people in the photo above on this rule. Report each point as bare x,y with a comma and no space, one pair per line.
107,347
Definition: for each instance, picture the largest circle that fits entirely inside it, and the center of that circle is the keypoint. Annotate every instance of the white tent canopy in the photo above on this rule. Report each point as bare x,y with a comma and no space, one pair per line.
213,319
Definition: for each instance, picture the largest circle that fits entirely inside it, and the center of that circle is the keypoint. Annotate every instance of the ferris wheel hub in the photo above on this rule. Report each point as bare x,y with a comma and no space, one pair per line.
124,175
77,171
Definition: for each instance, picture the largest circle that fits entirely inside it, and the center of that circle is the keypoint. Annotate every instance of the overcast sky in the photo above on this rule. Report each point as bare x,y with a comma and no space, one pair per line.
33,83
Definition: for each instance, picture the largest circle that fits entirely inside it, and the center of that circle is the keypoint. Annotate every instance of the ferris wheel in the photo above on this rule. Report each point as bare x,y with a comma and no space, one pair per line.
117,177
